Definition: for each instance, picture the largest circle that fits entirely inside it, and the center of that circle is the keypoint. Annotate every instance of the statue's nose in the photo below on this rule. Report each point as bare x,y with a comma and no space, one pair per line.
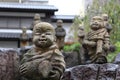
43,35
95,22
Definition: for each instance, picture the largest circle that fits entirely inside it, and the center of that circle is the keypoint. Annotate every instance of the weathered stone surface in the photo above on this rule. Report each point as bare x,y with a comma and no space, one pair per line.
90,72
9,65
71,59
106,71
118,74
117,59
67,75
85,72
9,62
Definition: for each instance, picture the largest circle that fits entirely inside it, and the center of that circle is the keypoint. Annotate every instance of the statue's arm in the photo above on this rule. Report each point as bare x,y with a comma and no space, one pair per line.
107,41
27,67
58,66
87,42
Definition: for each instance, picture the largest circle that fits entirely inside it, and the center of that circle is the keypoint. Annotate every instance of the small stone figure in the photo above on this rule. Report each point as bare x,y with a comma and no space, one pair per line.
24,38
60,34
106,23
44,61
36,20
81,34
97,41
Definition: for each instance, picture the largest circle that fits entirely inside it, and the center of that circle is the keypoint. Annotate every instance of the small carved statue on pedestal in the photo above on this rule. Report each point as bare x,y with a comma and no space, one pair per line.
36,20
97,41
81,34
106,23
24,38
60,34
44,61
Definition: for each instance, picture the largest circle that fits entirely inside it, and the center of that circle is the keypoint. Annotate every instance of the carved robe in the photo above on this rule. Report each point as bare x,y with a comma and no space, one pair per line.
97,44
40,63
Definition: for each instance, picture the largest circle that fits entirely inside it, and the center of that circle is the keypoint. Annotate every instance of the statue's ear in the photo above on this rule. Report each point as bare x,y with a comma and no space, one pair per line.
55,38
32,36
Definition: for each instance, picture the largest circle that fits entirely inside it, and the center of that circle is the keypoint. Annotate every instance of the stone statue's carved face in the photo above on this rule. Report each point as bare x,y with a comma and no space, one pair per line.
43,35
37,17
105,17
59,23
24,29
96,23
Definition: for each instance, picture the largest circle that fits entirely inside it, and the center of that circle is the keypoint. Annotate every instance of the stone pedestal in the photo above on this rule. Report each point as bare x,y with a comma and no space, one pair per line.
106,71
9,65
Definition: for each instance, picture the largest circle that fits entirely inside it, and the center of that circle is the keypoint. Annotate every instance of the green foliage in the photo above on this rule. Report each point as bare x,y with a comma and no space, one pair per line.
112,8
91,11
111,56
74,27
72,47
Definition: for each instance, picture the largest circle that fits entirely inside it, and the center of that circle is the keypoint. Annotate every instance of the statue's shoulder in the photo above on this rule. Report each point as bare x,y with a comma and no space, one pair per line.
55,49
58,52
30,51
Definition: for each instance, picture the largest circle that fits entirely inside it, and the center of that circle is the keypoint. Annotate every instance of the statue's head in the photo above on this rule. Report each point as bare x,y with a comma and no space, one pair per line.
59,23
81,28
24,29
97,23
43,35
105,17
37,16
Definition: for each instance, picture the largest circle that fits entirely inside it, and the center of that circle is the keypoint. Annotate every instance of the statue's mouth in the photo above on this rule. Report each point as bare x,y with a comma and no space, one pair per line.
43,40
95,24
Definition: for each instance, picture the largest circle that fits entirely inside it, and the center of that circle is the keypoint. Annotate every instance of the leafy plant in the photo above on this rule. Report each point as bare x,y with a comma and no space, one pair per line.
72,47
110,7
112,55
74,27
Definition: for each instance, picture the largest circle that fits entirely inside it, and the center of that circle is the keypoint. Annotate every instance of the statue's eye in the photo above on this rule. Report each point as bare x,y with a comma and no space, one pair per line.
37,33
100,20
48,33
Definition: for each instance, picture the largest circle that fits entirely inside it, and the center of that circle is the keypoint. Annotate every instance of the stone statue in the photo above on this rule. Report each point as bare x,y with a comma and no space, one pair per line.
81,34
60,34
36,20
97,41
106,23
44,61
24,38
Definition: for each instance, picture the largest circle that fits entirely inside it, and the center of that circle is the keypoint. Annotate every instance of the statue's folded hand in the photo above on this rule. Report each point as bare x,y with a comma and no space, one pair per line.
89,43
54,75
44,68
23,69
92,43
106,47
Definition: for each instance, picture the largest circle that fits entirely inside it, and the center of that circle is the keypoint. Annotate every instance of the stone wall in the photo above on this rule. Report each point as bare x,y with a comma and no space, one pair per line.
9,63
106,71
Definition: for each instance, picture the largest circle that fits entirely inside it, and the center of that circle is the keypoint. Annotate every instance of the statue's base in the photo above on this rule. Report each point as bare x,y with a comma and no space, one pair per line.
106,71
9,65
